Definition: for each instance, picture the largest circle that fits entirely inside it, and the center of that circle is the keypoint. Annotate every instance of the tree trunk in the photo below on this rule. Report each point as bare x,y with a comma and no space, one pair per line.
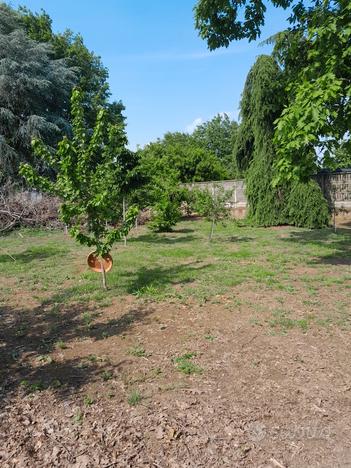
124,218
103,272
212,229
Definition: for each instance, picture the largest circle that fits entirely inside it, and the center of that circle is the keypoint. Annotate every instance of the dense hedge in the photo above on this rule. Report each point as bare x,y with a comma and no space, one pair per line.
306,206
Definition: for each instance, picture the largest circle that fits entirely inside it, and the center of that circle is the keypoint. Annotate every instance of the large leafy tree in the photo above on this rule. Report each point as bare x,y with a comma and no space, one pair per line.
261,103
314,128
183,153
92,75
297,203
315,54
34,95
218,136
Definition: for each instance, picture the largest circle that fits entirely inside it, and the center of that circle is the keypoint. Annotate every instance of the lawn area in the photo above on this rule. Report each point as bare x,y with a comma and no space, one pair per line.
229,353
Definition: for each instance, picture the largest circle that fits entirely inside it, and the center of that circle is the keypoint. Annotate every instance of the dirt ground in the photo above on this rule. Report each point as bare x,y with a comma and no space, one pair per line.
255,390
261,400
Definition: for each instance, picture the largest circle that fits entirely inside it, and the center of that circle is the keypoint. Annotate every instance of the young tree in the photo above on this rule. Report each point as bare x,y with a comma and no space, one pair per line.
89,180
213,204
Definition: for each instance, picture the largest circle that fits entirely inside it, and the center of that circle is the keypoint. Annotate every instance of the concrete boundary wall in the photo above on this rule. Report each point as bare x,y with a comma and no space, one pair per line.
336,187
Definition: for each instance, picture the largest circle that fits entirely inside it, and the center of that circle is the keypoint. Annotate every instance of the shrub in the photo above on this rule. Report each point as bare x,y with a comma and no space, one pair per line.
306,206
165,215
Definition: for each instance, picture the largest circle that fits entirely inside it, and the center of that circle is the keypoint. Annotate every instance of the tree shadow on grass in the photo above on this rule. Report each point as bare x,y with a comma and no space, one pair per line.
164,278
163,238
33,254
240,239
29,335
340,242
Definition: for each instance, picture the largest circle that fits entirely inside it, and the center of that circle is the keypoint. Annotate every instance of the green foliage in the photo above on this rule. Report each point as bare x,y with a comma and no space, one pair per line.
90,179
317,120
306,206
34,95
167,163
341,159
213,204
261,103
185,155
165,215
91,74
299,204
185,365
315,58
218,136
166,197
134,398
219,21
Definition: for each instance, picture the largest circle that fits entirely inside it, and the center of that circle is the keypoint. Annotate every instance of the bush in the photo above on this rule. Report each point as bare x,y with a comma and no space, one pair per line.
306,206
165,214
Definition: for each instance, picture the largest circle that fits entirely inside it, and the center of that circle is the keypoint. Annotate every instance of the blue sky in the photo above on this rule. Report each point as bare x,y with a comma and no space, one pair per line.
158,66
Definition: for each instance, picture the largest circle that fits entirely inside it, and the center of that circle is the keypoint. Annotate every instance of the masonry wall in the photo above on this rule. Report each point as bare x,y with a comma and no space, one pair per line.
336,187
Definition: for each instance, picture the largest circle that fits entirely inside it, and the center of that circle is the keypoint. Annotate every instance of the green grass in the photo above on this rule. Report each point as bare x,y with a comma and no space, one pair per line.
282,322
185,364
180,266
137,351
106,375
134,398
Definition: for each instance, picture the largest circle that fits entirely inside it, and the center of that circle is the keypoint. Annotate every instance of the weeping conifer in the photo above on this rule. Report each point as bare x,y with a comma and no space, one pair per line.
262,103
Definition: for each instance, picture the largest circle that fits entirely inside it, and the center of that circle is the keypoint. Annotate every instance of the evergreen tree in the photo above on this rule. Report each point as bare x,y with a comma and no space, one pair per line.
261,104
34,95
92,76
269,203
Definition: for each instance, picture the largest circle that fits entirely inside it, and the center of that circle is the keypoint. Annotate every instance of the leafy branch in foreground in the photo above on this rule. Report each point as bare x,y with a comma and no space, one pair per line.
89,180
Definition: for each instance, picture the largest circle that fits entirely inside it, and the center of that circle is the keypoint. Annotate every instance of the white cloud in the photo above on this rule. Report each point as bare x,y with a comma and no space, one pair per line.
195,123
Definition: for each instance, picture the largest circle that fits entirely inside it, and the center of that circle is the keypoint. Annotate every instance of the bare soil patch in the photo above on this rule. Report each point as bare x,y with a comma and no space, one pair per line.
260,400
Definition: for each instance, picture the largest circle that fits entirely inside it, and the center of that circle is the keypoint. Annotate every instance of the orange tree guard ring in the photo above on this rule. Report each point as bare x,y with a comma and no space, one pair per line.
94,262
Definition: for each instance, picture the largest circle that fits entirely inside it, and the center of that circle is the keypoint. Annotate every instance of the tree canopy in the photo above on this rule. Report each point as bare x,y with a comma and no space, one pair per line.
315,125
314,54
34,94
91,73
220,22
183,154
38,70
218,136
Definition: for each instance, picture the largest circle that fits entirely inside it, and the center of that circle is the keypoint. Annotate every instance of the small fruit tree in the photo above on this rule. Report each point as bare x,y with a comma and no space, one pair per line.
89,180
213,204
